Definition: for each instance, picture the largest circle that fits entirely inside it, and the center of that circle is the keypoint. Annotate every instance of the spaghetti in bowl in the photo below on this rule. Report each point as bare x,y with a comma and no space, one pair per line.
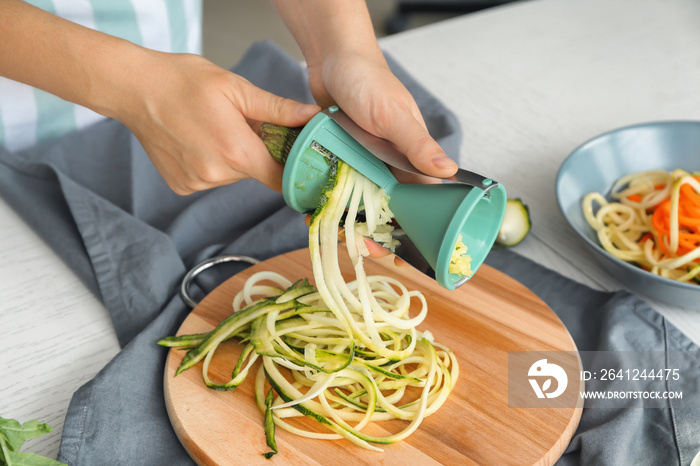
600,166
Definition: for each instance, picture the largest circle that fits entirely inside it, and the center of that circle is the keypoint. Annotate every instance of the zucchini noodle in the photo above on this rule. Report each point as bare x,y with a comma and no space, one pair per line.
345,354
652,221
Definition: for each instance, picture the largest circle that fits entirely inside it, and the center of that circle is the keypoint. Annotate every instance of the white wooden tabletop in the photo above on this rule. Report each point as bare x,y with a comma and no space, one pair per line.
529,83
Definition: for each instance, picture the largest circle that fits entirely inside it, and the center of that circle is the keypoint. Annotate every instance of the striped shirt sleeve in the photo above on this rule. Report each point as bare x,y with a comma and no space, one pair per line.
29,116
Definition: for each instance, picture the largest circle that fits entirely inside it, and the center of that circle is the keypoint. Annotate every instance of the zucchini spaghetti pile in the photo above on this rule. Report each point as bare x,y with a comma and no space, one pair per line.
341,354
654,222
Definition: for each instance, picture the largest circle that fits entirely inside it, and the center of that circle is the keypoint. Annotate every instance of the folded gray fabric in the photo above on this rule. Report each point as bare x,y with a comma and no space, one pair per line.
97,200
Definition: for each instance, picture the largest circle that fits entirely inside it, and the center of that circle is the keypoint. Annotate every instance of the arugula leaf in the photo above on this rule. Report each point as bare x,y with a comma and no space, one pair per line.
13,435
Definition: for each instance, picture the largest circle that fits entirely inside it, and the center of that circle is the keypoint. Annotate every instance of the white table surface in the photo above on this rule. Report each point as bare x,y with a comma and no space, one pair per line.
529,83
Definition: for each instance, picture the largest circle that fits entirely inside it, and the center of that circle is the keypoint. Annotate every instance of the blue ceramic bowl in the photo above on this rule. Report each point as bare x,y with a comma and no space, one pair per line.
598,163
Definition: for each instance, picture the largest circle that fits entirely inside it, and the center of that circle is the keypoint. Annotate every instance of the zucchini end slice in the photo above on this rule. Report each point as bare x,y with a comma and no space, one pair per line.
516,223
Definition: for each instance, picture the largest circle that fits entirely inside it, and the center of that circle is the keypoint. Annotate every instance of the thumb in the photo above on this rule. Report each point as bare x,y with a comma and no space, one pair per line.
413,139
258,104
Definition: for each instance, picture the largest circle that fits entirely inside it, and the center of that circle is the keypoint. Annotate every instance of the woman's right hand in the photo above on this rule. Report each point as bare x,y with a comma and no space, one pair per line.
197,122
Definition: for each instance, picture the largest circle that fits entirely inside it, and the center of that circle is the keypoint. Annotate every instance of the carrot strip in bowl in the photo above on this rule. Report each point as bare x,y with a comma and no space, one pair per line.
651,219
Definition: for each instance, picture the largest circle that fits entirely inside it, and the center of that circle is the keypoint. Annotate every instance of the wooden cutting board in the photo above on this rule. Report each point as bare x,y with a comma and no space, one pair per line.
480,322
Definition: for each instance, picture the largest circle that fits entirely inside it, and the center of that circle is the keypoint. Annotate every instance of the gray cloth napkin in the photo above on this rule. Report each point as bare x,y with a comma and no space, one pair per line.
97,200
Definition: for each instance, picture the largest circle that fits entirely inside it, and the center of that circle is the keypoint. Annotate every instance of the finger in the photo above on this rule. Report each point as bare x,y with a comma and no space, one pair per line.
241,154
256,162
412,139
268,171
260,105
375,249
399,262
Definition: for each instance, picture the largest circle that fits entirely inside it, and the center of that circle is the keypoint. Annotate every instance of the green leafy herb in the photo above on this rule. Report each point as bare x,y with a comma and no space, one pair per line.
13,435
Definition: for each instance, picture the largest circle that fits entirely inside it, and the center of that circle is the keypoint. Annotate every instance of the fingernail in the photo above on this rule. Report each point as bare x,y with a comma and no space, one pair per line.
307,111
443,161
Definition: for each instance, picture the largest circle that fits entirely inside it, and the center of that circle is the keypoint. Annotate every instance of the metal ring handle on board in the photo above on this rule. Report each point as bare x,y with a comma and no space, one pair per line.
202,266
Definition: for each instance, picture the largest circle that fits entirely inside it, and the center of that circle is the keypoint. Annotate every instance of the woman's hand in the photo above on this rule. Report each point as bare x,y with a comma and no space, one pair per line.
365,88
347,68
197,123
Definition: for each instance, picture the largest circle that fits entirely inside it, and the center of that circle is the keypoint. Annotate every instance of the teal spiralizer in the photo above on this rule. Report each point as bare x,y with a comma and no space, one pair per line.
433,216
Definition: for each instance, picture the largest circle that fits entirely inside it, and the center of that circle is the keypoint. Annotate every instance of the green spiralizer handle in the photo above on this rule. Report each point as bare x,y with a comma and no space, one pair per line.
433,216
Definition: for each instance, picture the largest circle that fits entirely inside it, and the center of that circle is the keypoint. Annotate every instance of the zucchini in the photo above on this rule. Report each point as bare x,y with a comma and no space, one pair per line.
516,223
226,329
269,425
278,140
295,293
183,341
